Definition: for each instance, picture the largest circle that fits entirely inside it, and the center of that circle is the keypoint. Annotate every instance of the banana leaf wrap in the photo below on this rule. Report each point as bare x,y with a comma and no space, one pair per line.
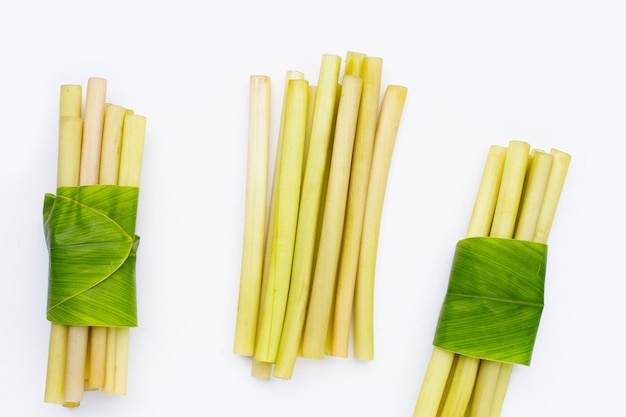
494,300
92,246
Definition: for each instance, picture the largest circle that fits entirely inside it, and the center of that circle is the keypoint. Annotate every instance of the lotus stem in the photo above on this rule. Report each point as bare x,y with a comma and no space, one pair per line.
502,384
68,171
371,73
554,188
110,361
263,370
92,131
313,180
70,136
131,157
108,174
111,144
89,173
71,100
286,218
513,175
461,387
255,212
354,63
386,132
57,355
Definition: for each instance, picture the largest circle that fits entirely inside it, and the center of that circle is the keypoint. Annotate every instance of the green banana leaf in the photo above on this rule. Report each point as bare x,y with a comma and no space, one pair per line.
494,300
90,235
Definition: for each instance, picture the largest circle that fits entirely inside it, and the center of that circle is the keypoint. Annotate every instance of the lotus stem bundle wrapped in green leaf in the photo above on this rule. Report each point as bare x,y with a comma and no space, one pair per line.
493,306
89,227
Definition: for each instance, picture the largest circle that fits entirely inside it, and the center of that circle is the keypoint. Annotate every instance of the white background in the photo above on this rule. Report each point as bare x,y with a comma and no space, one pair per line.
550,72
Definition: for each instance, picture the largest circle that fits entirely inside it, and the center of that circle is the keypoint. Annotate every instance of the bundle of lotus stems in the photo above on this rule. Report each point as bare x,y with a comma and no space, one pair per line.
494,301
89,228
310,262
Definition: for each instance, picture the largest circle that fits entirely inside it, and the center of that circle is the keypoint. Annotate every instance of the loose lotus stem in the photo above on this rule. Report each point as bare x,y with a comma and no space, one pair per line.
288,198
263,370
254,225
371,73
386,132
354,63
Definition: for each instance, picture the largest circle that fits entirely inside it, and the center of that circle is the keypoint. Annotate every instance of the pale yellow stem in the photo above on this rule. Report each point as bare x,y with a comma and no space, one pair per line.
68,169
371,74
254,218
89,174
57,353
354,63
97,357
487,195
329,332
71,100
92,131
75,365
286,218
108,175
263,370
484,389
506,369
533,196
386,131
131,157
312,189
464,375
131,153
330,239
70,135
111,350
121,360
111,144
309,122
434,383
554,188
507,206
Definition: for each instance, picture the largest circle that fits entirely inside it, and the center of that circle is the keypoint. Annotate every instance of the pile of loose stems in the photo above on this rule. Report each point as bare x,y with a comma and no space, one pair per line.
309,262
102,145
517,199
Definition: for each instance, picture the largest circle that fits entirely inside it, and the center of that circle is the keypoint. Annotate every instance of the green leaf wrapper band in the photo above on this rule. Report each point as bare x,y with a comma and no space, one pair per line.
90,234
494,300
